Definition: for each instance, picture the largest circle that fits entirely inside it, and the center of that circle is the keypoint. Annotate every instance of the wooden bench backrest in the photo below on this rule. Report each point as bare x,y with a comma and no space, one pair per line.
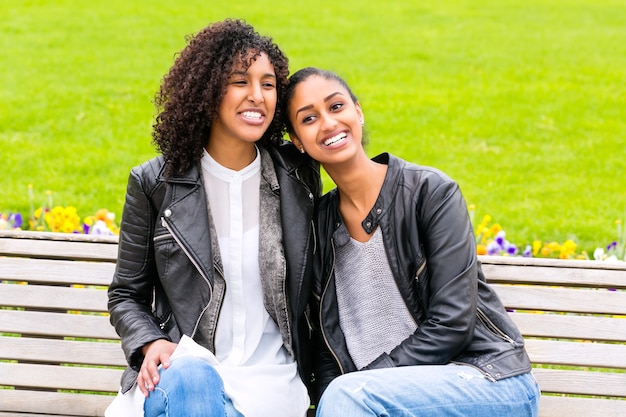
53,294
573,317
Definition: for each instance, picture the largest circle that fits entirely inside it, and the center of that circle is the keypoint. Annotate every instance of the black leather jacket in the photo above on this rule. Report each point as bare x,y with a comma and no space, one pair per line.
163,296
431,250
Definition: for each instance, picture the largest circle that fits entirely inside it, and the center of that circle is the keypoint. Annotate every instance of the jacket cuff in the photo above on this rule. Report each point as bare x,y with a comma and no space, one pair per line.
383,361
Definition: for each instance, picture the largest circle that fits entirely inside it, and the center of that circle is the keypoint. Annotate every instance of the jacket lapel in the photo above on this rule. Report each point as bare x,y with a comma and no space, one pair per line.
188,218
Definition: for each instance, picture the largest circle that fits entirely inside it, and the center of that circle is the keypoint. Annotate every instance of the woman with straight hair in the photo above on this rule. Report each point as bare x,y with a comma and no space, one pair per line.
406,324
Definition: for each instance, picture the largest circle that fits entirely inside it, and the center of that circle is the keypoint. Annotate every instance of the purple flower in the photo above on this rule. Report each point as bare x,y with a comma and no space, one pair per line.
499,239
493,248
511,249
611,245
16,220
528,252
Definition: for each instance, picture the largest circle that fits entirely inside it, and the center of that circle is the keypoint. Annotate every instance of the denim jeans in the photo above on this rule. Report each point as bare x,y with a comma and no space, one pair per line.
190,387
429,390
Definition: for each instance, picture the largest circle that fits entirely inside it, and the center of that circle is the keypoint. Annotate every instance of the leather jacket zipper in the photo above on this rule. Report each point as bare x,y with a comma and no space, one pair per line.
330,349
420,270
157,238
485,374
195,264
163,324
491,326
164,319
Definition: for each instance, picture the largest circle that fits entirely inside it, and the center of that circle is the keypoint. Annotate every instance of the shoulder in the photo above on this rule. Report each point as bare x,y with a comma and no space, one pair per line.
413,175
146,176
287,158
152,168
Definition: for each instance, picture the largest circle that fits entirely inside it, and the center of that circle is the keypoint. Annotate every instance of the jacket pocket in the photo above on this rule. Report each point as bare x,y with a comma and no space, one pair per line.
162,237
492,328
165,250
420,282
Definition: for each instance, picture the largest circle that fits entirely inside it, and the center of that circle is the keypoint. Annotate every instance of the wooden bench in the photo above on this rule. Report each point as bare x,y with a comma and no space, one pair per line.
573,317
572,313
53,295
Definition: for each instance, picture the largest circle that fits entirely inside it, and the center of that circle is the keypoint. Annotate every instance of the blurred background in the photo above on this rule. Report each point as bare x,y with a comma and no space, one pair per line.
523,103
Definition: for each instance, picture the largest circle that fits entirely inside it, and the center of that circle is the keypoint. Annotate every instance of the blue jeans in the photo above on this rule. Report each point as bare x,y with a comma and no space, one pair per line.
190,387
433,391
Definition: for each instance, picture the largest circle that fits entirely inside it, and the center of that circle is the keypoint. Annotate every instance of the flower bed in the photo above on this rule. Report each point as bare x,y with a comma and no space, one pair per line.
491,240
50,218
490,237
61,220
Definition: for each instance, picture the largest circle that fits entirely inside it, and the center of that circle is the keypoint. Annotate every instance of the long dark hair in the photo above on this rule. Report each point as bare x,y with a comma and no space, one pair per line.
192,91
300,76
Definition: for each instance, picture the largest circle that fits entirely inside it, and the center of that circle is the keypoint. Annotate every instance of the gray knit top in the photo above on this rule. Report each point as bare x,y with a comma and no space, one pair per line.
372,313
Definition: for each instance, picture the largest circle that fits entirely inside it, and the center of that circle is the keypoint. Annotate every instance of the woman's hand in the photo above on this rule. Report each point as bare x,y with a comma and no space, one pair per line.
155,353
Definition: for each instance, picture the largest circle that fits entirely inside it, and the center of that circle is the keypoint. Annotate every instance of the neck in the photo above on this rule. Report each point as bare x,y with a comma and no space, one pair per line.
358,181
235,156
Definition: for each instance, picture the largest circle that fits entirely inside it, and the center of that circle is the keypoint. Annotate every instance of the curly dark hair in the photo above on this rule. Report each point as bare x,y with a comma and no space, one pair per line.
192,91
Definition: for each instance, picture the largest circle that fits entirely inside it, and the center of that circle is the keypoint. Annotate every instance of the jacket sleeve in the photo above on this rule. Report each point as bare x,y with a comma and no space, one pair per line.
448,286
132,289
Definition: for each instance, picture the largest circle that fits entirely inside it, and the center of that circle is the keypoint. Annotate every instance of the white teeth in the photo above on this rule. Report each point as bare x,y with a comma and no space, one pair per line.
252,115
335,139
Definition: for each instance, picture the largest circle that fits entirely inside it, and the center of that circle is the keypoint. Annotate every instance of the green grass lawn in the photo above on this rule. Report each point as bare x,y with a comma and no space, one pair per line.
523,103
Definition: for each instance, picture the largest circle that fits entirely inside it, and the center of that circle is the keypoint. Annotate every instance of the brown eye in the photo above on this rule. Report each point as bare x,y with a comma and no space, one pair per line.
336,106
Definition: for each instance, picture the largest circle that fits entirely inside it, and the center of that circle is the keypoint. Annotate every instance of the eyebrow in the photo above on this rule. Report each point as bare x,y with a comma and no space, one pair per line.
325,100
269,74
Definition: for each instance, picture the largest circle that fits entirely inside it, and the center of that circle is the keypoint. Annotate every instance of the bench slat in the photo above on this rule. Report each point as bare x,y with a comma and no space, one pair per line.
555,275
553,406
56,324
59,377
56,271
56,249
581,382
61,351
562,299
503,261
31,415
63,237
59,404
591,354
571,326
53,298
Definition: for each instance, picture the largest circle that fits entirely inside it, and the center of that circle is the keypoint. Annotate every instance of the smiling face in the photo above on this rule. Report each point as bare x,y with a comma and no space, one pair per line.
325,120
248,106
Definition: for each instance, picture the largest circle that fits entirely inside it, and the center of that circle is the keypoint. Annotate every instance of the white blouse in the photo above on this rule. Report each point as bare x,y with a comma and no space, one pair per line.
259,375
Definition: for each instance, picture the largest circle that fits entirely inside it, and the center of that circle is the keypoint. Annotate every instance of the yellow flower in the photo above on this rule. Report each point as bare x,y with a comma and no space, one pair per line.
495,229
63,219
567,249
554,246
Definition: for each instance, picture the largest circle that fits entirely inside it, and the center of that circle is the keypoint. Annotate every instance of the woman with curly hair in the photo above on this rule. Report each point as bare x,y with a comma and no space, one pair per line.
215,249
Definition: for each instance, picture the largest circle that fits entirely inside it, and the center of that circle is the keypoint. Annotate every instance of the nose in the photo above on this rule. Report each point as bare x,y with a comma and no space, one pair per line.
255,95
328,121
